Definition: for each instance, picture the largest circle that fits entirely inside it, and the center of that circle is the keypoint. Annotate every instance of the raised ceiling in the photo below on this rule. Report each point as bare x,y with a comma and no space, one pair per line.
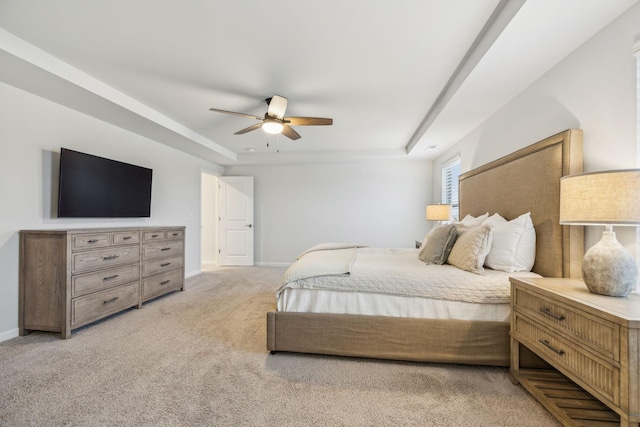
396,77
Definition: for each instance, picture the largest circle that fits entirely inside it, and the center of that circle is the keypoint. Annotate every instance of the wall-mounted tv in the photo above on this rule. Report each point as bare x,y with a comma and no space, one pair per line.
95,187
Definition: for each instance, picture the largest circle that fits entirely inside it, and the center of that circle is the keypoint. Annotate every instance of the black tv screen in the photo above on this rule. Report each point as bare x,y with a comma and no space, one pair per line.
95,187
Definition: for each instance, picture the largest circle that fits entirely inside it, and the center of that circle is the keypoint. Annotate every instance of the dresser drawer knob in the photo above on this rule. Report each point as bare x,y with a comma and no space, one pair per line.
115,276
154,235
93,241
126,238
165,264
552,314
165,282
548,345
110,300
165,249
110,257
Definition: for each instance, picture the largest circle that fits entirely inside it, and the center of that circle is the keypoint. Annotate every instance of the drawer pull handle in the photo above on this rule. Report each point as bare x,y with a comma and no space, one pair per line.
93,241
126,238
165,264
175,234
107,258
154,235
552,314
110,300
165,249
111,277
548,344
165,282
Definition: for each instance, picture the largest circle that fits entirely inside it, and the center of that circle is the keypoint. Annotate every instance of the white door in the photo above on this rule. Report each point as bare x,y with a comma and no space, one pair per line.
236,220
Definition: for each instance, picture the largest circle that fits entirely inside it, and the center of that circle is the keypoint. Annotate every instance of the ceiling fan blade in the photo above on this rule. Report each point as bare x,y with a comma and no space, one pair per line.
249,129
289,132
308,121
236,114
277,106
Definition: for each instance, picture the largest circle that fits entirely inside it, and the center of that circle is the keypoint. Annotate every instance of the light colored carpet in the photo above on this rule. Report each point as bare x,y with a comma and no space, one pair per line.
198,358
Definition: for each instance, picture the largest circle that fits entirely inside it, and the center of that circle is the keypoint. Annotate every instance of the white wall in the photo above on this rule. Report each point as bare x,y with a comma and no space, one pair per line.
380,203
32,130
593,89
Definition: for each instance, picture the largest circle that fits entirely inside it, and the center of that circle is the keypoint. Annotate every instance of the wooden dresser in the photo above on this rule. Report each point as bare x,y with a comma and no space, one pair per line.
592,343
70,278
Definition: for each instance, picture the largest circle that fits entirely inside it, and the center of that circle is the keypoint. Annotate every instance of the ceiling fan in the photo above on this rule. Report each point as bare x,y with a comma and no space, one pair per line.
275,122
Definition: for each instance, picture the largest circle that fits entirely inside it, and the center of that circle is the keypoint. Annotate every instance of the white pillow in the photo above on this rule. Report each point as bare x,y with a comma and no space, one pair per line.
514,244
471,248
471,221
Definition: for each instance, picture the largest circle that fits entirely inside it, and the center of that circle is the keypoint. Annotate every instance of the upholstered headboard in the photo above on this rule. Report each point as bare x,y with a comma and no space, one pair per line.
528,180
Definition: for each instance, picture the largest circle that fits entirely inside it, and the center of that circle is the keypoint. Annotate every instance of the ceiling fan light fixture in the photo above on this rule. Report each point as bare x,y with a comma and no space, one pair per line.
272,126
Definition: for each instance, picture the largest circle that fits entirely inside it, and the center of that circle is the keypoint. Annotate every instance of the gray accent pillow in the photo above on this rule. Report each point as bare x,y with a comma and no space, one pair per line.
436,248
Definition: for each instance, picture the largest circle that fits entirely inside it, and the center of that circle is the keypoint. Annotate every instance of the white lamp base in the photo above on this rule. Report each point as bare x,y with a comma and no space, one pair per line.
608,268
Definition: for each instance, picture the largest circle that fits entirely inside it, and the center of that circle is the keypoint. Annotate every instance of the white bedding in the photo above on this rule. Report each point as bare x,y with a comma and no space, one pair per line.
392,282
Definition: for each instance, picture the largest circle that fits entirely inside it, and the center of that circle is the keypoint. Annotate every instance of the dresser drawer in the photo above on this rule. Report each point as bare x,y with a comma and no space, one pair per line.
593,372
160,265
175,234
122,238
104,258
100,304
596,333
86,241
91,282
157,250
150,236
162,283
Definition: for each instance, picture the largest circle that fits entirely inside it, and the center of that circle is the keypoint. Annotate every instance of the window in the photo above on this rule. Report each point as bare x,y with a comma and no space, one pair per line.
450,173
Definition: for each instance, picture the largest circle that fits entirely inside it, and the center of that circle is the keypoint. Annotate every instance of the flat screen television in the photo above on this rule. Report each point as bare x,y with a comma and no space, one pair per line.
95,187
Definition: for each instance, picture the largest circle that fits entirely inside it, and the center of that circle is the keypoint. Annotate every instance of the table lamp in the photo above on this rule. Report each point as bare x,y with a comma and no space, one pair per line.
440,212
604,198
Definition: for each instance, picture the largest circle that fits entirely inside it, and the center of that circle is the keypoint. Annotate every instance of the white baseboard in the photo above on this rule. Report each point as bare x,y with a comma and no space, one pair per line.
273,264
7,335
192,273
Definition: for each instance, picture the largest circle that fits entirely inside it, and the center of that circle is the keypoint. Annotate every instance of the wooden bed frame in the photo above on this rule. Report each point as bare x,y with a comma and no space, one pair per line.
527,180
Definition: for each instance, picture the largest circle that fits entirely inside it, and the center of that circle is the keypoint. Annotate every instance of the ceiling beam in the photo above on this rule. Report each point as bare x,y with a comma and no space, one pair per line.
495,25
69,86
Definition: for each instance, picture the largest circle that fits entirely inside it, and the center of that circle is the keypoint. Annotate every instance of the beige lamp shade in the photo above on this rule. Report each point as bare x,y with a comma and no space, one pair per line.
438,212
606,198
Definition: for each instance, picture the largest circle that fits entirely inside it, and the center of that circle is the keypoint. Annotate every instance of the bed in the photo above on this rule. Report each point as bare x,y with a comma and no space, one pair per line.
529,181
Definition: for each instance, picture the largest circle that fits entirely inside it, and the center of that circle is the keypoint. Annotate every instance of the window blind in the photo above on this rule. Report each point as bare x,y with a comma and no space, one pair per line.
450,173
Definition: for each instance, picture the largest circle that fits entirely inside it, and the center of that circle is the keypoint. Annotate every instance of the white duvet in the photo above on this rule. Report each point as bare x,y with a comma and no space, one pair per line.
396,272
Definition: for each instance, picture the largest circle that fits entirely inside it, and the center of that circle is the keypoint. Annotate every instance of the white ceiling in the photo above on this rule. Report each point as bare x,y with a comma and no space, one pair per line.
396,77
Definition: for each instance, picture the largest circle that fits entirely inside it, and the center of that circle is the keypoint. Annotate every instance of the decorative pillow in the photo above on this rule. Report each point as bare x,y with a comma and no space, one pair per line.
514,244
471,221
437,245
471,248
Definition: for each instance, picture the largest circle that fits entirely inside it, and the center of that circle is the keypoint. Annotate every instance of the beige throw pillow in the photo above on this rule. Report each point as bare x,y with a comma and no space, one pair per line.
471,248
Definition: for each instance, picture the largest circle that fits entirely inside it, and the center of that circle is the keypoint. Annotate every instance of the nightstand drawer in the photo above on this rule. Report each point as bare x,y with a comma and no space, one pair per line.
592,372
594,332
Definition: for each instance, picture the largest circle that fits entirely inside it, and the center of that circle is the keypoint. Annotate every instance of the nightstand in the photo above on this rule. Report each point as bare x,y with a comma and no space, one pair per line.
592,343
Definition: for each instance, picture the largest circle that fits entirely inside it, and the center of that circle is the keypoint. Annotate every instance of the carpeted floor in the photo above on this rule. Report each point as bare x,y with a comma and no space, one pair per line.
198,358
